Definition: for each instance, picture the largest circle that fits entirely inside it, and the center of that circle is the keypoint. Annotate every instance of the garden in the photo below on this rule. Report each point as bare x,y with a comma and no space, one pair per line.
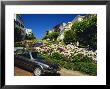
67,53
78,49
70,57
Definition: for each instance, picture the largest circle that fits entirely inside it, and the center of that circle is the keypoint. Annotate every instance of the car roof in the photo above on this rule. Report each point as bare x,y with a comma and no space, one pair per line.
25,50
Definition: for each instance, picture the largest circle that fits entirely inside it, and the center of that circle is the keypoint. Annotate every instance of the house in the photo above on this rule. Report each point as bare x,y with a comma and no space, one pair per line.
57,28
68,26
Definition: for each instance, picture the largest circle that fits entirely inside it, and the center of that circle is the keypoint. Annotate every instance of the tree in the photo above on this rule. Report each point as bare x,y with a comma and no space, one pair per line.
30,37
69,37
86,31
52,36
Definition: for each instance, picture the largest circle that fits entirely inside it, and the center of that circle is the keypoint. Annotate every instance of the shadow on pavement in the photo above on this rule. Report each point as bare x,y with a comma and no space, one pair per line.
51,74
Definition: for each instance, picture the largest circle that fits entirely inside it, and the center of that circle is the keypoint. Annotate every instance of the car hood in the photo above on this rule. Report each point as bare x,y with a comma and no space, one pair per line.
43,61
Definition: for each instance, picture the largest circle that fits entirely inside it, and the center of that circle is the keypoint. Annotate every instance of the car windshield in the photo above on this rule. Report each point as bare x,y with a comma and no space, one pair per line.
36,55
18,51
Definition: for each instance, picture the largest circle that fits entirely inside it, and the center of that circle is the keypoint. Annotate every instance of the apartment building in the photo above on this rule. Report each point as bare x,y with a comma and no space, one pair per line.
69,25
19,27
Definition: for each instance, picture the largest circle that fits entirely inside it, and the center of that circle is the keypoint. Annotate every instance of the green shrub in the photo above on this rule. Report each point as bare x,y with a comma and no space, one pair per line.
68,65
87,59
56,56
51,36
69,37
19,45
81,58
84,65
77,58
88,68
62,63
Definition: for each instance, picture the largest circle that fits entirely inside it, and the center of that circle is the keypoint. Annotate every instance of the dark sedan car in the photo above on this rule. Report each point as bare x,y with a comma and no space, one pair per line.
34,62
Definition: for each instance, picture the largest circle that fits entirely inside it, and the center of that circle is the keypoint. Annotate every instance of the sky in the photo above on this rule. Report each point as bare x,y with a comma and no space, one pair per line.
40,23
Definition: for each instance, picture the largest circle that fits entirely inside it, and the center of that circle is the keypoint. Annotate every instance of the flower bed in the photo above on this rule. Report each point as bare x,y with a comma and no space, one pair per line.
70,57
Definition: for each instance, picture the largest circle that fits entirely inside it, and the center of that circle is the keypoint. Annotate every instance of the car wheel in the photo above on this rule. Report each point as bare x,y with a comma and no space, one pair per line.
37,71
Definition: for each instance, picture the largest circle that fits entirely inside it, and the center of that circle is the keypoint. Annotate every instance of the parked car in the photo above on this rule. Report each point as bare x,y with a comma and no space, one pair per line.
37,44
17,48
34,62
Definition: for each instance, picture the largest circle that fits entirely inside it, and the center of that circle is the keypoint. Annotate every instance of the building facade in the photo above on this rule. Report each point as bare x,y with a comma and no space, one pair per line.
58,28
19,30
78,18
28,31
68,26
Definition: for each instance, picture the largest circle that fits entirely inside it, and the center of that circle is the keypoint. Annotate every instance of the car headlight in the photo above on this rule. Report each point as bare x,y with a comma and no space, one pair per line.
46,66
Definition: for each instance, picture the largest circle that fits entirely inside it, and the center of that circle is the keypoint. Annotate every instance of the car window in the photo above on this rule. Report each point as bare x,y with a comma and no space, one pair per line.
36,55
19,51
26,55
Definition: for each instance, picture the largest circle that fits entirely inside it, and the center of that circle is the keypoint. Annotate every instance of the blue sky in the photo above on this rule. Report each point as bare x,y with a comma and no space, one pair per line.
40,23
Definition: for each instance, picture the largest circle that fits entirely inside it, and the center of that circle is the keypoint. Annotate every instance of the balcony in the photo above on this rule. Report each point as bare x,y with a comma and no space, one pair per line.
19,20
17,26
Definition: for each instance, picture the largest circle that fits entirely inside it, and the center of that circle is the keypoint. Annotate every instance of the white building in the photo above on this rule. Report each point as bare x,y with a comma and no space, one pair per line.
78,18
69,25
50,31
62,26
65,28
28,31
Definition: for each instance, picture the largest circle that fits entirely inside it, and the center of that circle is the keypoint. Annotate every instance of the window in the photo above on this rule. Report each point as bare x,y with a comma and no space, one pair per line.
22,26
26,55
17,23
36,55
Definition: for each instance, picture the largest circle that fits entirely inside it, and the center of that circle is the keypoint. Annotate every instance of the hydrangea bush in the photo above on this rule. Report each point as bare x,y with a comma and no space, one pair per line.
68,51
70,57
